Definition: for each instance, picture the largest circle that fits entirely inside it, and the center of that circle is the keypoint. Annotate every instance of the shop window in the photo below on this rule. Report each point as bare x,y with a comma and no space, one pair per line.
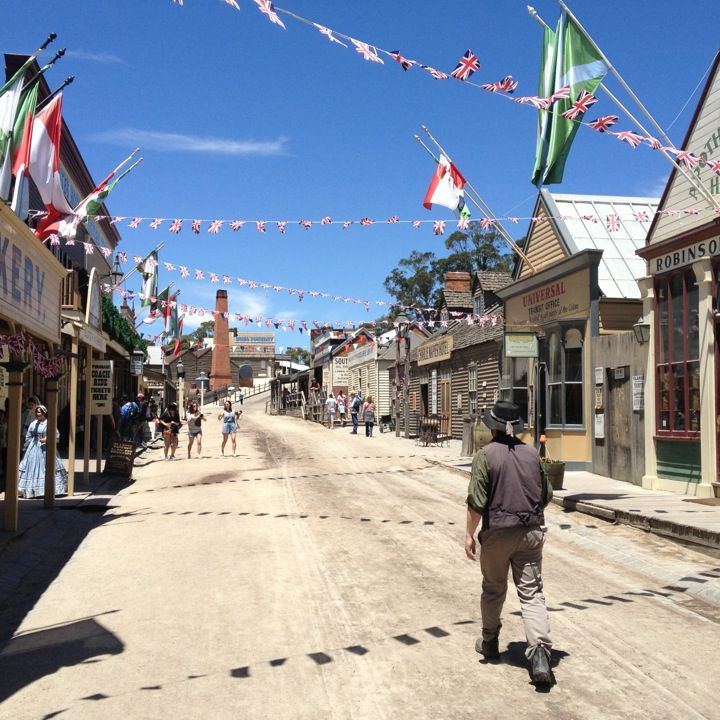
677,355
514,384
564,347
472,389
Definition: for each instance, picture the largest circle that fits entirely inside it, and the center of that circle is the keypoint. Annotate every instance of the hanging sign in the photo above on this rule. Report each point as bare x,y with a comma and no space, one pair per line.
599,376
521,345
638,392
101,387
600,426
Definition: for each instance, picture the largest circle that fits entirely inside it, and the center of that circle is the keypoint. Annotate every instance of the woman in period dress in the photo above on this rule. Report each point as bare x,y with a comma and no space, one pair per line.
31,480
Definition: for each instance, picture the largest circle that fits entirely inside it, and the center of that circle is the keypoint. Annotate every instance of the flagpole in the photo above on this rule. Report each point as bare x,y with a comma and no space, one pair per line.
158,295
68,81
131,272
688,176
45,67
483,206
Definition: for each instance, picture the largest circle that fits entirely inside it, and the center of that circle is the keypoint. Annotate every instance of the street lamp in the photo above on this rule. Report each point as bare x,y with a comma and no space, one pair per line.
203,381
642,331
116,274
401,323
180,371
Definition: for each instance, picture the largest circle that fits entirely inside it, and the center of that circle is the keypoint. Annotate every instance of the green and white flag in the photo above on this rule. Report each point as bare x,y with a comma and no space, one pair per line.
569,61
149,270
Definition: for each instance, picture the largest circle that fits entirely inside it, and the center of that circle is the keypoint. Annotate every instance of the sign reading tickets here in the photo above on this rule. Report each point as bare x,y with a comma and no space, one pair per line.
101,387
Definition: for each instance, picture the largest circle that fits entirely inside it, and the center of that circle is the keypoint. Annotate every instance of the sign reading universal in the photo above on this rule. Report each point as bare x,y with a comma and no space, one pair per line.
435,351
684,256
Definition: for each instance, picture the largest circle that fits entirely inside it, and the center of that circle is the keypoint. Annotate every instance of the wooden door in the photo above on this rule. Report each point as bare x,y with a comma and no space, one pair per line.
446,400
617,427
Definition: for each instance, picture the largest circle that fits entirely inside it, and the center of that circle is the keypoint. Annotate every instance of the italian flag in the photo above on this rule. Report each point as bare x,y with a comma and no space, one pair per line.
446,186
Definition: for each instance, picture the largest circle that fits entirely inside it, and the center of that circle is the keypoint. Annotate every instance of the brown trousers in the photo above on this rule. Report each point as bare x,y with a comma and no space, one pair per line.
519,549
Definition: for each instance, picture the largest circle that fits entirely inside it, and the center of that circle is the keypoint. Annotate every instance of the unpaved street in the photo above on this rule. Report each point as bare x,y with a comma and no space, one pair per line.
322,575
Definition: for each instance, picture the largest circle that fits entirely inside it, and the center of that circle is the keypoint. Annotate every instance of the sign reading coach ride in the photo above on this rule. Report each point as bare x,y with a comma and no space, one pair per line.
120,459
101,387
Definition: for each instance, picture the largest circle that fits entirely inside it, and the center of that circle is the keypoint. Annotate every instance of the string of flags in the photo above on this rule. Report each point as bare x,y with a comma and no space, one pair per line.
469,63
303,325
49,366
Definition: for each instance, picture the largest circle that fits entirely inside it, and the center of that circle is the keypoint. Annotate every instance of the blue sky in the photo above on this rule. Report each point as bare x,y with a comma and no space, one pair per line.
238,118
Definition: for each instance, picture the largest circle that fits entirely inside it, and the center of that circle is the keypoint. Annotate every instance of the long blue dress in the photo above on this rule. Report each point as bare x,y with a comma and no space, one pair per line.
31,480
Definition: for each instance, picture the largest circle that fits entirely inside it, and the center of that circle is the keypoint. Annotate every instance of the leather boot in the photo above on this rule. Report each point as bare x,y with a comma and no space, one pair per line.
541,666
489,649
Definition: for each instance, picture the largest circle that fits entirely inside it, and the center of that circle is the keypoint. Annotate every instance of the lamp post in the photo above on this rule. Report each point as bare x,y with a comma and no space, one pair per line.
400,324
180,371
202,380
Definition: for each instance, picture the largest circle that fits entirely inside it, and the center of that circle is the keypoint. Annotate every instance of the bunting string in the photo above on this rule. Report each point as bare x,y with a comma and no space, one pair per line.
49,366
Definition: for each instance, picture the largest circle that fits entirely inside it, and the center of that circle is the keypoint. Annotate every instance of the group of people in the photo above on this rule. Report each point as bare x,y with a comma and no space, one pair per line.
338,406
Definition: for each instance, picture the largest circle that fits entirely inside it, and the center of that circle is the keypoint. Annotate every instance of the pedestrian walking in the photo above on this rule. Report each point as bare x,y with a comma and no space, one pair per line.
195,419
152,419
140,428
330,410
31,478
508,491
368,413
341,401
229,419
241,397
170,421
129,412
355,405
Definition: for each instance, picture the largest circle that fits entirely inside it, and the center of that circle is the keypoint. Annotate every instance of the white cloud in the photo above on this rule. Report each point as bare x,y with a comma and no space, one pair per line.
106,58
178,142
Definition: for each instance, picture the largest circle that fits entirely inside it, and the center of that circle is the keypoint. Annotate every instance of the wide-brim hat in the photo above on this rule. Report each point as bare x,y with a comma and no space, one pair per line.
505,417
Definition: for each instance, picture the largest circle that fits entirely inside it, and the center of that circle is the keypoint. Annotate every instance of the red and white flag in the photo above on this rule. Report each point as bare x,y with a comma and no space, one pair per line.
446,186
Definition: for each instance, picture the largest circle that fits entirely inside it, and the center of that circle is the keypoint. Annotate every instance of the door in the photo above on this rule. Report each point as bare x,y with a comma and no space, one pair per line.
618,436
446,400
540,394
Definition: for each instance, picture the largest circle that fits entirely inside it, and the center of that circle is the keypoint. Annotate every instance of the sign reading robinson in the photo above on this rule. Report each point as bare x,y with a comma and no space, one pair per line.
435,351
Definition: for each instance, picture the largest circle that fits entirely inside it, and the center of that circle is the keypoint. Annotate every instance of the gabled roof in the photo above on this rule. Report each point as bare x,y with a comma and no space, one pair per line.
457,300
620,267
491,280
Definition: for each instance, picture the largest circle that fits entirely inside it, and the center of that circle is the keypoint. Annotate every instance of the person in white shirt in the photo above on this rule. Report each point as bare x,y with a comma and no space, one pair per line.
330,409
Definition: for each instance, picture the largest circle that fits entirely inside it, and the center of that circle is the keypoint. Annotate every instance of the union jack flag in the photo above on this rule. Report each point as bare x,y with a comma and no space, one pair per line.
69,241
199,275
688,159
169,266
641,216
329,34
654,143
306,224
366,51
463,223
281,226
176,226
581,105
156,223
466,66
612,223
405,64
589,218
123,256
604,123
347,224
260,224
486,223
514,220
89,248
278,288
117,219
327,220
267,8
184,271
435,73
214,278
715,166
215,226
538,220
561,94
507,84
631,138
195,227
692,211
107,252
417,223
394,219
236,225
134,223
439,227
366,221
138,259
231,3
242,281
535,101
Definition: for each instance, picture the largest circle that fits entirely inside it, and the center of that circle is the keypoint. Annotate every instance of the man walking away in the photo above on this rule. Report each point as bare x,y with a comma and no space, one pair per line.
355,405
330,408
508,491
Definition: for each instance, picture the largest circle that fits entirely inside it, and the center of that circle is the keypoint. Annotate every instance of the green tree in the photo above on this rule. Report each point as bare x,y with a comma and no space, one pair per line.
474,250
413,283
299,355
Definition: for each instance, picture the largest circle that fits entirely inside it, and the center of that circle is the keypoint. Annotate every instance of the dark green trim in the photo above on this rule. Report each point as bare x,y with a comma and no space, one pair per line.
679,460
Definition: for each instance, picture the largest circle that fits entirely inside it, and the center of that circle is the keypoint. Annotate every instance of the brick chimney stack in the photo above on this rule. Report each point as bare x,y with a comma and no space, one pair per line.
220,375
458,281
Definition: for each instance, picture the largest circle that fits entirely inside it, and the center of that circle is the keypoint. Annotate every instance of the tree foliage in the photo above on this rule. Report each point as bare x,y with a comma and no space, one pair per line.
118,328
299,355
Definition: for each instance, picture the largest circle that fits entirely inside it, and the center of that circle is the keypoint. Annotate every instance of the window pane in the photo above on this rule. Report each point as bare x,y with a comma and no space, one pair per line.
520,372
694,393
678,397
554,367
662,322
664,396
678,329
693,324
573,404
555,402
520,398
506,394
573,365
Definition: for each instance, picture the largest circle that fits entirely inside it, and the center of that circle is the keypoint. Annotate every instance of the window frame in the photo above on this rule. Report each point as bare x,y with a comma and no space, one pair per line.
508,392
561,330
472,388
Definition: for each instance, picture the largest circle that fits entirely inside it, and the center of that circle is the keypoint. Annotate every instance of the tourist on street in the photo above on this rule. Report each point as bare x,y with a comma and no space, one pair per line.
330,410
508,491
152,418
170,421
140,420
368,413
241,397
129,410
229,426
355,405
341,407
195,419
28,415
31,479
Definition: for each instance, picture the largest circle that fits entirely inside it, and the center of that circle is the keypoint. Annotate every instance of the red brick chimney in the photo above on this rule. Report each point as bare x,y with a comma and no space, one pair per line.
220,375
459,281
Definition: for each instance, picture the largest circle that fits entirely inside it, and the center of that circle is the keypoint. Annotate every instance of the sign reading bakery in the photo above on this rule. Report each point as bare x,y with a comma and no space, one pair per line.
30,279
563,297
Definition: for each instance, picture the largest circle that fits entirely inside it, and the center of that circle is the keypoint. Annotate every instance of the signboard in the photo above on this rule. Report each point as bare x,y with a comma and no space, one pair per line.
638,392
30,279
136,365
362,355
341,377
121,457
93,310
598,398
522,345
619,373
101,387
92,337
435,350
599,376
684,256
600,426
